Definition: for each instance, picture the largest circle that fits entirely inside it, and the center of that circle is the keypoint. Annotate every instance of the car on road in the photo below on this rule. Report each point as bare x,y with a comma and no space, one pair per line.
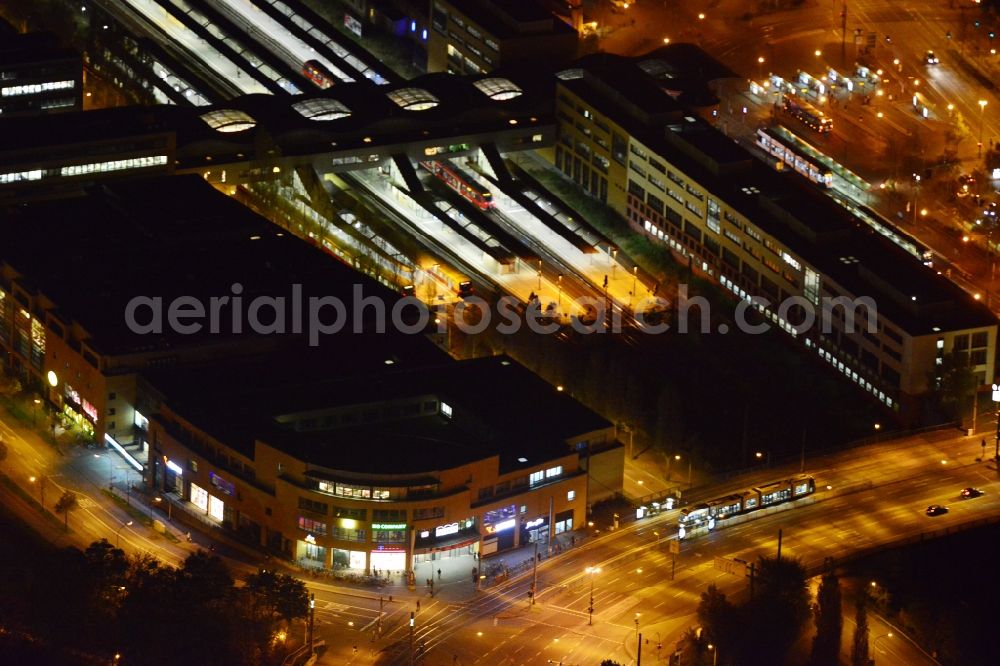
936,510
930,58
990,214
966,183
970,492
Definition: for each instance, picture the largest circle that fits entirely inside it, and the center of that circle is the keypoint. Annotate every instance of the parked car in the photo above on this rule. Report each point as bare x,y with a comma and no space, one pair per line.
936,510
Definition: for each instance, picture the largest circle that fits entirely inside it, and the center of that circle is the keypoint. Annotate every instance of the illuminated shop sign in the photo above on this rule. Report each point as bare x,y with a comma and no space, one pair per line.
388,526
532,523
424,534
221,484
504,525
90,410
445,530
175,468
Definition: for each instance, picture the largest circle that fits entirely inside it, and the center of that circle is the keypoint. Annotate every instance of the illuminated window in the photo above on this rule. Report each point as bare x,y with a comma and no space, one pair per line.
553,471
446,409
216,509
199,497
321,108
34,88
570,495
498,89
313,526
228,120
536,477
413,99
113,165
17,176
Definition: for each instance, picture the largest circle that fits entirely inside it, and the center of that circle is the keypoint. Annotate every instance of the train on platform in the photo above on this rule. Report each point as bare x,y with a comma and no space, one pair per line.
318,74
462,183
786,152
715,511
808,114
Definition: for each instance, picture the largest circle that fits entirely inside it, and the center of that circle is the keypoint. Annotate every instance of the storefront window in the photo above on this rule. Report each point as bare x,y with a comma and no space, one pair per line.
199,497
389,560
349,559
216,508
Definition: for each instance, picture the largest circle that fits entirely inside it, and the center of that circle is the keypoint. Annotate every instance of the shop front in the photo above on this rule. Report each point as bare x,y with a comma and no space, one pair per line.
389,549
388,558
501,529
349,559
210,504
173,477
458,539
309,553
535,530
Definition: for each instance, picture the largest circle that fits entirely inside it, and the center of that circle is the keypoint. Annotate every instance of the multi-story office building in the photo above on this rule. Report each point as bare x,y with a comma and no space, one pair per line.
38,76
348,462
479,36
630,141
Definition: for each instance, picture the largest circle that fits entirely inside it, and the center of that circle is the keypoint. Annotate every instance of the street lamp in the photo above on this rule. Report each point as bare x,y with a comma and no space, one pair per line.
765,456
559,282
715,654
875,642
539,277
118,532
590,609
982,113
670,459
637,615
34,411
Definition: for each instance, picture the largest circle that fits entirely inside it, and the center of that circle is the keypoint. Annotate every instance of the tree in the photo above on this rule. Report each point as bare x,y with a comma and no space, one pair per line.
829,622
716,615
859,648
610,662
278,596
3,451
204,578
954,382
772,621
67,502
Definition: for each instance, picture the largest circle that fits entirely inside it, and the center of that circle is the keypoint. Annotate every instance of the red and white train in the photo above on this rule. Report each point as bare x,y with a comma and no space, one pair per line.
462,183
318,74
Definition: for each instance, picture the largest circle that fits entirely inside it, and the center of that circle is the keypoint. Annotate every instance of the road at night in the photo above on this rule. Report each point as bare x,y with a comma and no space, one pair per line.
878,497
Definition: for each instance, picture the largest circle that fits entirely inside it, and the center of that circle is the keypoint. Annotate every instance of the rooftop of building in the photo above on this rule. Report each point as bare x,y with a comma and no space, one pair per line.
350,116
499,408
23,48
164,237
797,214
507,19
